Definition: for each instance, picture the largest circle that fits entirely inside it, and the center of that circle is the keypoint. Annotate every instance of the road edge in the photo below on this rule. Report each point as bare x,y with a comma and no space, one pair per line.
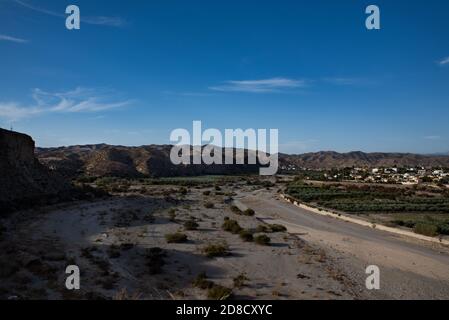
363,222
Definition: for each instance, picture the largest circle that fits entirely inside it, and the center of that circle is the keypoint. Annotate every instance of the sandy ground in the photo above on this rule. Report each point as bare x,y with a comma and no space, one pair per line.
410,269
112,241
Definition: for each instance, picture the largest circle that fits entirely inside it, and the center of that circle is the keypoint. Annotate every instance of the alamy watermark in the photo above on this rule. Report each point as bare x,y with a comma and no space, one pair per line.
73,20
372,282
251,147
73,280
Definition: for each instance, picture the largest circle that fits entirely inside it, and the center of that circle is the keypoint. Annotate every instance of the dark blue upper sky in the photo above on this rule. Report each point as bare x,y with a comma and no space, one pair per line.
138,69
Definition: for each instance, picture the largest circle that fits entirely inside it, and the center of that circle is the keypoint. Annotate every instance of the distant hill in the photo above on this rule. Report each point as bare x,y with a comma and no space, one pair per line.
331,159
154,160
107,160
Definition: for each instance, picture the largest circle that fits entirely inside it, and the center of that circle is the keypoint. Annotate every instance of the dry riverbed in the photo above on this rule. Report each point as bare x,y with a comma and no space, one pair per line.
132,246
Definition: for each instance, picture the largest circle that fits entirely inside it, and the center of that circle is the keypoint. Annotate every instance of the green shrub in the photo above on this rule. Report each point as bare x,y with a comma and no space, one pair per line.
277,228
172,215
208,205
201,282
239,281
426,229
176,237
231,226
249,212
262,240
246,235
443,229
218,292
216,250
400,223
262,229
236,210
191,225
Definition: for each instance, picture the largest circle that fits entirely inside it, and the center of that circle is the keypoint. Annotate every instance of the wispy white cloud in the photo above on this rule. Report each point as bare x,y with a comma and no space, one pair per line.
432,137
104,21
260,86
342,81
444,61
285,84
74,101
95,20
187,93
12,39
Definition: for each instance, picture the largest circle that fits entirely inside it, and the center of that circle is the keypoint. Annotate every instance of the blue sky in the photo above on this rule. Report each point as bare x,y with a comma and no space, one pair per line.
138,69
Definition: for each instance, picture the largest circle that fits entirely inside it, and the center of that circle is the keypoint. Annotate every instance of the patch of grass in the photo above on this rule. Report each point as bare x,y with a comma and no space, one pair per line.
249,212
232,226
236,210
214,291
262,240
276,293
176,237
277,228
216,250
246,235
218,292
201,281
270,228
172,215
262,229
239,281
191,225
443,229
426,229
208,205
404,223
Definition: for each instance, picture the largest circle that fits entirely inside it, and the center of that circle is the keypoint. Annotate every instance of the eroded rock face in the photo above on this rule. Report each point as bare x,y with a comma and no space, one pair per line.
23,180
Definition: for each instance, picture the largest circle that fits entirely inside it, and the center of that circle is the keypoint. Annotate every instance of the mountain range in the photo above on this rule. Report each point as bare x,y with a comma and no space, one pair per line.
154,160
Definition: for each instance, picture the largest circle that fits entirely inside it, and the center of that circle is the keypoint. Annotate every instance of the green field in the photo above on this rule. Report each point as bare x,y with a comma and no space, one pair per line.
426,213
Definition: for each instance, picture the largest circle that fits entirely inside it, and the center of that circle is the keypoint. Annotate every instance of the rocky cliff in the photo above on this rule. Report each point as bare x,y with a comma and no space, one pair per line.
23,180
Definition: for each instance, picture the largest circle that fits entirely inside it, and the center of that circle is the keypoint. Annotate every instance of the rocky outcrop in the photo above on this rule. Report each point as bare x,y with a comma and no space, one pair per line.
23,180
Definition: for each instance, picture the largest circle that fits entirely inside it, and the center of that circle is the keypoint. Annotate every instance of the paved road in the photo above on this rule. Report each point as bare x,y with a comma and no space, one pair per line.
409,269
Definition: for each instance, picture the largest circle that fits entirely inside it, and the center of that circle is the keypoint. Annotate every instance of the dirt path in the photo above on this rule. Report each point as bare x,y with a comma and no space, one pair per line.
409,269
